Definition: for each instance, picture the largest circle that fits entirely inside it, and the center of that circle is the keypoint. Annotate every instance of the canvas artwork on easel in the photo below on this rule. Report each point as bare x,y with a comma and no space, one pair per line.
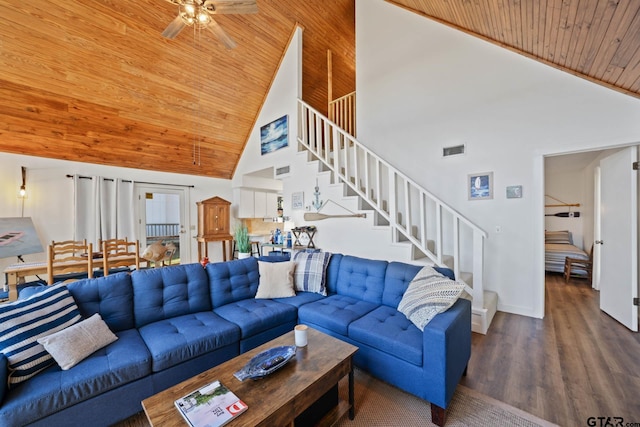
18,236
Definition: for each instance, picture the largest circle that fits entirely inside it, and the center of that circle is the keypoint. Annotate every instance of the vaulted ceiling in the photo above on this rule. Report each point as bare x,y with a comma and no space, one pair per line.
95,81
598,40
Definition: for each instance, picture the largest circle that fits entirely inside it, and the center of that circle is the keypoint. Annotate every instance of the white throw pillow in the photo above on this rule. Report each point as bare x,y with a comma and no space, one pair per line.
276,279
428,294
72,345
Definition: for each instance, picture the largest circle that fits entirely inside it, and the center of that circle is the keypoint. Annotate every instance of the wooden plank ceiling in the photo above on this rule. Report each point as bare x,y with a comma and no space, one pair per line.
598,40
94,81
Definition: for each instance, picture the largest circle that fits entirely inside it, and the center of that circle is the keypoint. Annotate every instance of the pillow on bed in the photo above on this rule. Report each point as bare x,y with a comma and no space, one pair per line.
558,237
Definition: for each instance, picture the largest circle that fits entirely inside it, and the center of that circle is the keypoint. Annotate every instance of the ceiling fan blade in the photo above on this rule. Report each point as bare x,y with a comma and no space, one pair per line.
174,28
231,6
221,34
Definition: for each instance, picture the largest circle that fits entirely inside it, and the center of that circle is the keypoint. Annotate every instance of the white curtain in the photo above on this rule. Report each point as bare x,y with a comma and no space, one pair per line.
87,214
104,209
126,210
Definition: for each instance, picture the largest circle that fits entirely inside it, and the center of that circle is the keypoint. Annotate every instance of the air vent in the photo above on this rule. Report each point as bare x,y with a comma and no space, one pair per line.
453,151
284,170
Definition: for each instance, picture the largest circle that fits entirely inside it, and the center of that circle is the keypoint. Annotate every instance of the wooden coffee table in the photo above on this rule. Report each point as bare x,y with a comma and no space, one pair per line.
276,399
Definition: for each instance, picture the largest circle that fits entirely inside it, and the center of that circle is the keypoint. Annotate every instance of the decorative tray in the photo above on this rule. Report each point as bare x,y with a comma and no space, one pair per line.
266,362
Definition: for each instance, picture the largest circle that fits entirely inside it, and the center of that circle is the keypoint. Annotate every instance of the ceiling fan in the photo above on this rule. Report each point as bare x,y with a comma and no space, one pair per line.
200,13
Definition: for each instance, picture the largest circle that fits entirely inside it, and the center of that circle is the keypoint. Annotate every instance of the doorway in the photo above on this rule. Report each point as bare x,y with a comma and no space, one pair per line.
164,220
575,179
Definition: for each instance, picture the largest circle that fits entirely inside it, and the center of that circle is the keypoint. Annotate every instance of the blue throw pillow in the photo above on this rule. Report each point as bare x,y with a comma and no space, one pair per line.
311,269
24,321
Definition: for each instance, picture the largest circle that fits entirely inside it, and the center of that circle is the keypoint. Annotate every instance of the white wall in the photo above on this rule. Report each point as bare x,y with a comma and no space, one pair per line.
422,86
570,187
50,196
281,100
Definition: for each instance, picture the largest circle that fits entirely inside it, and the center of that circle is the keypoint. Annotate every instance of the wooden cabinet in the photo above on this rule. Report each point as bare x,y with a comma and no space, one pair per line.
214,224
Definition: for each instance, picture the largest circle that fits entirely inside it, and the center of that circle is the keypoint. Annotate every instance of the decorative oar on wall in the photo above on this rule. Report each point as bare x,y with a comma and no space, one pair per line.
562,204
317,216
565,214
318,204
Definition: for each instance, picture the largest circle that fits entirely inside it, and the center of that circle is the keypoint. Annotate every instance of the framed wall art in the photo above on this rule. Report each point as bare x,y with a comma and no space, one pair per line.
297,200
514,192
480,186
274,135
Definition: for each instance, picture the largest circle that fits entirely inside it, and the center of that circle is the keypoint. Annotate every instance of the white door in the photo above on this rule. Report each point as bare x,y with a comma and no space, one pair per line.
163,219
597,232
619,237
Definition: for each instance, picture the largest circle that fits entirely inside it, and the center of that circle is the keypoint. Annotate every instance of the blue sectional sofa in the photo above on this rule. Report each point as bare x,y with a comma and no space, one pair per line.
175,322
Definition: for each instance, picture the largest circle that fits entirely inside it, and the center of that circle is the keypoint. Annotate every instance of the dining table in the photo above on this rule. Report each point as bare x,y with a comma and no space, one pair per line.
17,273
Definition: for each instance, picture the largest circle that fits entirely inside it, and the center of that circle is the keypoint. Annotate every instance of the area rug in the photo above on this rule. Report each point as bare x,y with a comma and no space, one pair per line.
380,404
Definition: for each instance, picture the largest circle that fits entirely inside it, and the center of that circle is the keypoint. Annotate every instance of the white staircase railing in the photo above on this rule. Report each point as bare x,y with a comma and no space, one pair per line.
436,230
342,111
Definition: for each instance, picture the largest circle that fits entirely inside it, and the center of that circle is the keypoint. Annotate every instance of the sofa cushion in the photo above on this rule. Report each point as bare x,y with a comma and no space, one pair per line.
121,362
110,296
311,268
361,278
254,316
388,330
332,273
398,277
300,299
163,293
335,312
71,345
276,279
4,376
175,340
428,294
233,280
24,321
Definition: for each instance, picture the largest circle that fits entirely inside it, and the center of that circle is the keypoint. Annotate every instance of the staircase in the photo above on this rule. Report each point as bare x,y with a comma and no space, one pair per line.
437,233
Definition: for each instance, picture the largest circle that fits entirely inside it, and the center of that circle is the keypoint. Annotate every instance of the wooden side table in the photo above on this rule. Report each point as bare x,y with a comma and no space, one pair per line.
304,238
224,239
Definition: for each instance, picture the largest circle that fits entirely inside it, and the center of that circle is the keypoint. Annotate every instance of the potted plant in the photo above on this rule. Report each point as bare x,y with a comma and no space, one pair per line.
242,242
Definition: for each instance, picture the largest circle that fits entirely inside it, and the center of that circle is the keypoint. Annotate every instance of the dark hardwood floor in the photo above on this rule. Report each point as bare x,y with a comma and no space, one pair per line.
575,363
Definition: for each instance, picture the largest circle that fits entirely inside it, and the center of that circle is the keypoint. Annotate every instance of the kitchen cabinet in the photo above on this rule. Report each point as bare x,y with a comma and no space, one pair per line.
256,204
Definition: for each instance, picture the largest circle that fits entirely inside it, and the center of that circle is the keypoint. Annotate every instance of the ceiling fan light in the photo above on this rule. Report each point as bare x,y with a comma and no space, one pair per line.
203,18
189,9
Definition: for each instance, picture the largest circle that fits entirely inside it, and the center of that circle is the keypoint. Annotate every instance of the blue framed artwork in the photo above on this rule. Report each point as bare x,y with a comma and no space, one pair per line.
274,135
480,186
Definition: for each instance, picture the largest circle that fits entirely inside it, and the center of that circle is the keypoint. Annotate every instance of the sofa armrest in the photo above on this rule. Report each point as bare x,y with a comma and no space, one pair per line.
4,374
447,349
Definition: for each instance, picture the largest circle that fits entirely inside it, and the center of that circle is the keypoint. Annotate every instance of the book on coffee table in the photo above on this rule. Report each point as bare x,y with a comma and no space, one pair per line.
210,406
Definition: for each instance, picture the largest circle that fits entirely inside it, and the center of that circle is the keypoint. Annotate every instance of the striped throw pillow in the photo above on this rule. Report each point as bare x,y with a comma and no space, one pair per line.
563,237
311,268
428,294
24,321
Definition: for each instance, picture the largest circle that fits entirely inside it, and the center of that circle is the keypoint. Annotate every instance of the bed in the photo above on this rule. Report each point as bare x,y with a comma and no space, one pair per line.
557,246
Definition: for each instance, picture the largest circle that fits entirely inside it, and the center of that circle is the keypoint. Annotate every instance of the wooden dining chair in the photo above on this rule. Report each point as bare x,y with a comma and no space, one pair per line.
120,253
69,259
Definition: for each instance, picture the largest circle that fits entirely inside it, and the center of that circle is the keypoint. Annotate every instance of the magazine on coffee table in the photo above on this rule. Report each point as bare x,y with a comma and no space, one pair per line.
213,405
